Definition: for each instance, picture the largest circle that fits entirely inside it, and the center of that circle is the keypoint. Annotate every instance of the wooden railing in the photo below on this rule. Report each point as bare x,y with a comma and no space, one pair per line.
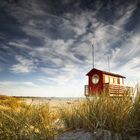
111,90
117,90
86,91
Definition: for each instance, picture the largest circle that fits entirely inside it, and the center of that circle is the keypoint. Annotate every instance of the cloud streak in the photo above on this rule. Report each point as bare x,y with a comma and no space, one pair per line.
23,66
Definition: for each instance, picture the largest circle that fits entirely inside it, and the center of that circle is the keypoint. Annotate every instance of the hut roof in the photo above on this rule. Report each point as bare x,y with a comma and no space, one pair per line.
105,72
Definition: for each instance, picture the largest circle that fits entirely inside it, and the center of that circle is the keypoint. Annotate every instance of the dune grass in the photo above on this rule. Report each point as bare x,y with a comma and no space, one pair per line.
31,122
118,115
34,122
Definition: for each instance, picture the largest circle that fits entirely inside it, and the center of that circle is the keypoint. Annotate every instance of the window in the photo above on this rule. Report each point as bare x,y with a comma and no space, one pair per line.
118,80
111,80
106,79
95,79
115,80
121,81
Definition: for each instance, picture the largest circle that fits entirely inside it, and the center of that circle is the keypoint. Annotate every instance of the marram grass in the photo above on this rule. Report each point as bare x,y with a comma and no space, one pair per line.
19,121
31,122
118,115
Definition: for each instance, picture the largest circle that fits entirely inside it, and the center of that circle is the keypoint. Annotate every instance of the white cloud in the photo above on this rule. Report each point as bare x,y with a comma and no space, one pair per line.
125,15
63,76
28,88
9,84
22,44
5,83
79,22
29,84
23,66
55,53
33,31
42,80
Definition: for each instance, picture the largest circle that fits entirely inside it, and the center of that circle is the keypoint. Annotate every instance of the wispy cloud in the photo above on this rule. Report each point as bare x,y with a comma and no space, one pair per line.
24,65
125,15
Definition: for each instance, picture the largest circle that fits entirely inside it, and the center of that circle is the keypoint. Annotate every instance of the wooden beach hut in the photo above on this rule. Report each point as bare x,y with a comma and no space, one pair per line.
100,81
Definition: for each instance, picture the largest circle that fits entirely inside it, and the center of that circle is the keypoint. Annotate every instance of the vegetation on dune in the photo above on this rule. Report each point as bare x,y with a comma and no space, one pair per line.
133,125
7,102
118,115
21,121
31,122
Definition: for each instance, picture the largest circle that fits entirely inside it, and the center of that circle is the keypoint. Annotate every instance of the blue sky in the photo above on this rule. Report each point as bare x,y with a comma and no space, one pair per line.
45,45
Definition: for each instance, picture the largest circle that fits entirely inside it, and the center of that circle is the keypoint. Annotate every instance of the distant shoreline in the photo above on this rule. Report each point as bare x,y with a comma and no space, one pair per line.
32,97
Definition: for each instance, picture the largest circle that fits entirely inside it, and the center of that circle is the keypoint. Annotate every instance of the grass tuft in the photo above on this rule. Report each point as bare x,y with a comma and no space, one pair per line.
31,122
118,115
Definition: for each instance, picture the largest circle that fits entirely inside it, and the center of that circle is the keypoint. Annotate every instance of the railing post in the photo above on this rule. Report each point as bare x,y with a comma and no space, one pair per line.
86,91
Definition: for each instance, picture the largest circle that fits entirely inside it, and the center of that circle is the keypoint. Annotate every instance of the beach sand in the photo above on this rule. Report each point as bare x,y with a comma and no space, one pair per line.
53,102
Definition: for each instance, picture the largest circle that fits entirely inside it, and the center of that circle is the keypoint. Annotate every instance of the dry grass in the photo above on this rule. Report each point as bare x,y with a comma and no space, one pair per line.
7,103
33,122
133,125
119,115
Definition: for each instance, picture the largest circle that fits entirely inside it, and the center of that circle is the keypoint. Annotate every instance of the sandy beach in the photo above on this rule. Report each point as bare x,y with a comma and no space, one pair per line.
53,102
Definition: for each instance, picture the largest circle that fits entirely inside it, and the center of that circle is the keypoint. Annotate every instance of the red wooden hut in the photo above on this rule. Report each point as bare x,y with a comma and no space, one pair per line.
104,82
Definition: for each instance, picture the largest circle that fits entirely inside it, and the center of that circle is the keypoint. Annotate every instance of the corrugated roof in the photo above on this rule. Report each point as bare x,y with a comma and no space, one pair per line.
105,72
